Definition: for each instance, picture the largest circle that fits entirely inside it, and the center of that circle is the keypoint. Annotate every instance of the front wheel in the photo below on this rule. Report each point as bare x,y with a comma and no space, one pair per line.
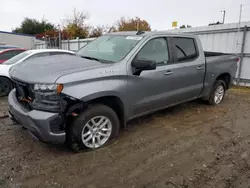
5,86
95,127
217,93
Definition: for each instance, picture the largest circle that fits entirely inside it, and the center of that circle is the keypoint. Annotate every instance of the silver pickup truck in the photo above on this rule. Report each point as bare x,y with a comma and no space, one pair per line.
84,100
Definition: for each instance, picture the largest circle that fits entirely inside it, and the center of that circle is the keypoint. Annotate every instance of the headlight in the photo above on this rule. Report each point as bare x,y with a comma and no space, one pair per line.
47,97
48,87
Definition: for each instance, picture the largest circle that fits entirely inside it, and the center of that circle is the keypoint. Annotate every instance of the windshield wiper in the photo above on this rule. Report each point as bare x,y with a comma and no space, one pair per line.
91,58
96,59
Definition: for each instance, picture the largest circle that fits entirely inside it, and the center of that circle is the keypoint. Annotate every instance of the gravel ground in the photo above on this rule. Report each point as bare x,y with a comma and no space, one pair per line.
187,146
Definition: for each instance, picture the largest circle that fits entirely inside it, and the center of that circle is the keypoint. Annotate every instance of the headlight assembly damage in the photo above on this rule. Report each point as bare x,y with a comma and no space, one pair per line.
47,97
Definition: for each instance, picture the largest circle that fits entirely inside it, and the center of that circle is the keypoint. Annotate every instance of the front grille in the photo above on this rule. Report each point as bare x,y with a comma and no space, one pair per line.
39,100
23,93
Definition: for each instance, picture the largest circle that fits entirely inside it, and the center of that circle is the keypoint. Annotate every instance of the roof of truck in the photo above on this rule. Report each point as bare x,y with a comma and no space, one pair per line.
148,33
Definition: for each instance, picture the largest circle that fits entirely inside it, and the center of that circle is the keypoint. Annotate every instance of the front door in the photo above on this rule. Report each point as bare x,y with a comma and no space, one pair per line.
173,81
150,90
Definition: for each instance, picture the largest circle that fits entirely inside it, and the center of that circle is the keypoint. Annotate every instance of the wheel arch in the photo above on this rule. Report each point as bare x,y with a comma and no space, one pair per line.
226,77
112,101
11,82
3,76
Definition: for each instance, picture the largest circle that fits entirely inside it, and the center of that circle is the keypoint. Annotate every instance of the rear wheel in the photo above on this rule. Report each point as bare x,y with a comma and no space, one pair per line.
217,93
5,86
94,128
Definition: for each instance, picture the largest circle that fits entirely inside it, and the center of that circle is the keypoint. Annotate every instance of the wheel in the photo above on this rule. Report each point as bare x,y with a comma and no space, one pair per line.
97,126
5,86
217,93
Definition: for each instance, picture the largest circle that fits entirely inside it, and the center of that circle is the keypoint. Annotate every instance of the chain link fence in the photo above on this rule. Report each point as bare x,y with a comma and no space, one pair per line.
54,43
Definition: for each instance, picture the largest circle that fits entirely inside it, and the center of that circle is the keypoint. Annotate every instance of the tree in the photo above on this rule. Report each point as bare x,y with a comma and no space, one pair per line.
53,34
132,24
33,26
97,31
76,25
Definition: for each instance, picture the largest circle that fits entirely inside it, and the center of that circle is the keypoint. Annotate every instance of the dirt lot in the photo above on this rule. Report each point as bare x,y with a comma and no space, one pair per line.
188,146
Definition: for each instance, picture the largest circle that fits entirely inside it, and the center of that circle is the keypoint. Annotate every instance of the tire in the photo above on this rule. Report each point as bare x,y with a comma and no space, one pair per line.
5,86
219,86
83,125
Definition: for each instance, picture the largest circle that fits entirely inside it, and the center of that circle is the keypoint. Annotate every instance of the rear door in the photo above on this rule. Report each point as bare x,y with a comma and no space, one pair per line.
188,69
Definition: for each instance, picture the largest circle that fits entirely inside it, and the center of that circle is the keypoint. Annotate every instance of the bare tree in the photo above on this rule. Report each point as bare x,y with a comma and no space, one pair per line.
76,24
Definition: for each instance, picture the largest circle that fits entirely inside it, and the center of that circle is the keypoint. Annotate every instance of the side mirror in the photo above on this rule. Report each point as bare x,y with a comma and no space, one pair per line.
141,65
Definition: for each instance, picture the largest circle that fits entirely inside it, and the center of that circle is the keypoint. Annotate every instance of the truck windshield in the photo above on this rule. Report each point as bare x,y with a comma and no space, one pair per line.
109,48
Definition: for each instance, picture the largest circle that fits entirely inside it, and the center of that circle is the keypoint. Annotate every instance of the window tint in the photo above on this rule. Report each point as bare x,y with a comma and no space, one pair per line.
7,55
185,48
155,50
16,52
17,58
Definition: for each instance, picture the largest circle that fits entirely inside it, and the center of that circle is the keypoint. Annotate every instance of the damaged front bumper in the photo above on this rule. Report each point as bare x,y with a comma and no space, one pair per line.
43,125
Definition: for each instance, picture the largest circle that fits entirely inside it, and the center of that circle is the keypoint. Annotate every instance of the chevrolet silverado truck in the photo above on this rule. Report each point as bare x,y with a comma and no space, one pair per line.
86,99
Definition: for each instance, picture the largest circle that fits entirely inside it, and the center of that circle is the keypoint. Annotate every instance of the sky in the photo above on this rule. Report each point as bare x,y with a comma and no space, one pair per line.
159,13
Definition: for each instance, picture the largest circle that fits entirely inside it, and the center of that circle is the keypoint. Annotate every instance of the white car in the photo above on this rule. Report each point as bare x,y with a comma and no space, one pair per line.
5,82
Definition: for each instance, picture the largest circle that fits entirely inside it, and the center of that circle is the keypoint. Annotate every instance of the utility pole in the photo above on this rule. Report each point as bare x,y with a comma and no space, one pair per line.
237,43
138,24
240,13
238,32
59,38
224,14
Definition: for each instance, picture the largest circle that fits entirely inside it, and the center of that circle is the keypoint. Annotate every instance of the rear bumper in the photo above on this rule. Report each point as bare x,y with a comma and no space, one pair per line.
35,121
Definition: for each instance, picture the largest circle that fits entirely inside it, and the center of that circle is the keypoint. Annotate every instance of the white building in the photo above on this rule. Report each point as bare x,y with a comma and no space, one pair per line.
16,39
227,38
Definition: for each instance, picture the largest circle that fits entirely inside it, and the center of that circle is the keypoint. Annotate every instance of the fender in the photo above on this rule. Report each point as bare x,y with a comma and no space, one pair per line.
88,91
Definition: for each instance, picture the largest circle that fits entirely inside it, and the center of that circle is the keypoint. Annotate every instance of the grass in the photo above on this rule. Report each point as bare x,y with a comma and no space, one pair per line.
241,89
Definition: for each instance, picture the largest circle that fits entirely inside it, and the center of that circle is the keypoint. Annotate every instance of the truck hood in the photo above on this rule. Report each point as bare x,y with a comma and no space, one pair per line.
49,69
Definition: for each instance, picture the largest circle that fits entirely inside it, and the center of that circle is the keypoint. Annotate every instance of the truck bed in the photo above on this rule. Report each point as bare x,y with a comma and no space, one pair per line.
210,54
219,57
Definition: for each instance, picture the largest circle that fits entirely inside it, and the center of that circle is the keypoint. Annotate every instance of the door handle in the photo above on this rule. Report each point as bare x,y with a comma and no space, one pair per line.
200,67
169,72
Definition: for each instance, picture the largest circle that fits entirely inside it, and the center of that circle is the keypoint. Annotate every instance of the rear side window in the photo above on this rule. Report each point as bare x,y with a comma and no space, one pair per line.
185,48
16,52
7,55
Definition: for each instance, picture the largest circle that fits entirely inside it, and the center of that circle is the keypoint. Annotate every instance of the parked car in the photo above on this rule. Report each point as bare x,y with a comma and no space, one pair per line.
4,47
6,84
9,53
85,100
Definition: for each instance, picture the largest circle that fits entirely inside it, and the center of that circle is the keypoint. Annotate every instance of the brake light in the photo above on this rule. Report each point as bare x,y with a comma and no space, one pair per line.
238,59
